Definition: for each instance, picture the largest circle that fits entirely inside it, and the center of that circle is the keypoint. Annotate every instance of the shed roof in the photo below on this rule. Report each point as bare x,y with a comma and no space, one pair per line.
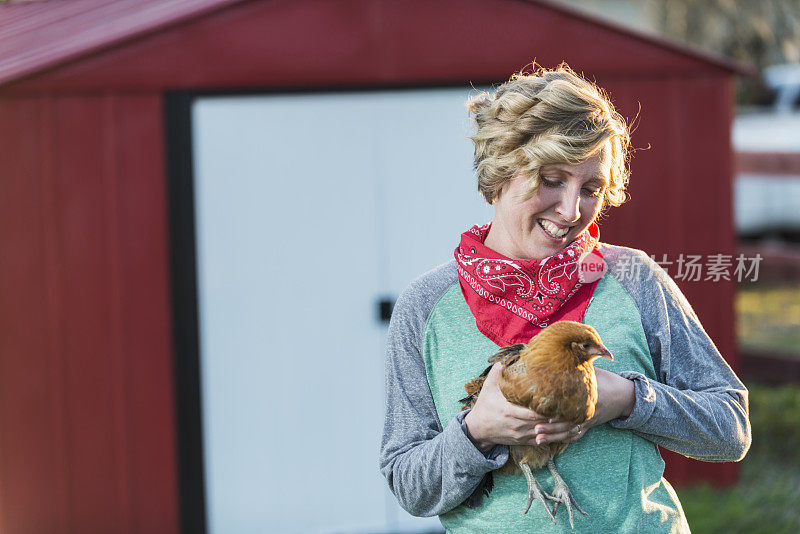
38,35
41,34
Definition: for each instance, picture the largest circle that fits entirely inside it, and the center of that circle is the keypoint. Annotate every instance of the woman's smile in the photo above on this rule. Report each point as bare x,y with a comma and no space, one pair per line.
552,230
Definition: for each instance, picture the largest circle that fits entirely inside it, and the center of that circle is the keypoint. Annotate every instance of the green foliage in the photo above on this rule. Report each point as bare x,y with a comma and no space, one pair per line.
768,317
775,419
766,498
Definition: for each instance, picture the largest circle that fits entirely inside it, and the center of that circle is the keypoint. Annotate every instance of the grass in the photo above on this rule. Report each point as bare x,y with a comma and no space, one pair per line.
768,317
767,498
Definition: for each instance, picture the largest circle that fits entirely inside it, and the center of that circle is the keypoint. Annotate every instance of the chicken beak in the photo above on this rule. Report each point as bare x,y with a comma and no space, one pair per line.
603,352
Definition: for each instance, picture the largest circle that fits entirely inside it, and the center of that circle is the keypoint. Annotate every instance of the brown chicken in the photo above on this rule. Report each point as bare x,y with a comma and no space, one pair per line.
552,375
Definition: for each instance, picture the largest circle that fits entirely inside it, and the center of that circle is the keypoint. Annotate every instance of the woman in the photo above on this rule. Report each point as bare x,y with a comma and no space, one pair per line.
550,154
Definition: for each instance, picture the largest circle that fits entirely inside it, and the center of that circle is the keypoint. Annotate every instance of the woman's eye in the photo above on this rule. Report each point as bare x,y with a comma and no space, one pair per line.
549,183
592,192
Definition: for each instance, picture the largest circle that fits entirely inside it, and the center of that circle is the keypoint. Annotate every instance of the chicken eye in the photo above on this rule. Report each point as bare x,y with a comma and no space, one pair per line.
585,346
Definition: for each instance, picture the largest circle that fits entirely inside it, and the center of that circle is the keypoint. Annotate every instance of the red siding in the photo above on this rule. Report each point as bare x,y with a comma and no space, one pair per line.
87,437
33,470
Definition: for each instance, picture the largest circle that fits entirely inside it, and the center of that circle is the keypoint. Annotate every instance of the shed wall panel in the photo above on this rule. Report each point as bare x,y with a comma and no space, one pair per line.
33,466
86,418
94,402
651,218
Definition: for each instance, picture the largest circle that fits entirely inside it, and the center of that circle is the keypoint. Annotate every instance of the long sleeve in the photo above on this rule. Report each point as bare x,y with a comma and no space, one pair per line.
430,469
697,406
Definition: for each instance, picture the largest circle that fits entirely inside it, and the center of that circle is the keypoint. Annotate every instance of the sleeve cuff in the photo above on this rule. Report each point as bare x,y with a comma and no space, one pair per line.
495,458
644,405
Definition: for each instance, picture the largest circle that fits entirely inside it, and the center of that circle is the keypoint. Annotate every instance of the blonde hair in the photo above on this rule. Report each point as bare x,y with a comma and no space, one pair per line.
546,117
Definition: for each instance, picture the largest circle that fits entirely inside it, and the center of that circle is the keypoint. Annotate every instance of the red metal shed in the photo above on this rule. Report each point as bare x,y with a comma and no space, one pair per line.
92,313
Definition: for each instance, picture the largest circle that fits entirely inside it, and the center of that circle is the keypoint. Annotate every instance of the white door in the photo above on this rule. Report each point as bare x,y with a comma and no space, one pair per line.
309,208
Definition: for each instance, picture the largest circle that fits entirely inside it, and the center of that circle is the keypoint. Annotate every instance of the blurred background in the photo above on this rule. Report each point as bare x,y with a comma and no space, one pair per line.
210,207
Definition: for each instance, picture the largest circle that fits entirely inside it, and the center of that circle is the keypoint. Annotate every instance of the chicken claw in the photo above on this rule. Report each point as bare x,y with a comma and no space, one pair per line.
535,490
562,494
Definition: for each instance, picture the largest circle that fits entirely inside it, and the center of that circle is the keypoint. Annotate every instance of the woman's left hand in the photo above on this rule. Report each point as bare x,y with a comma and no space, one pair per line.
616,398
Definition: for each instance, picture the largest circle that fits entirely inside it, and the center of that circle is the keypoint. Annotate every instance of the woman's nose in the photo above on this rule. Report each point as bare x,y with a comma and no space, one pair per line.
568,206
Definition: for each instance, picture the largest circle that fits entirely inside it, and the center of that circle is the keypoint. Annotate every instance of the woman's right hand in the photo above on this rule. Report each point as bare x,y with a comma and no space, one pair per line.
494,420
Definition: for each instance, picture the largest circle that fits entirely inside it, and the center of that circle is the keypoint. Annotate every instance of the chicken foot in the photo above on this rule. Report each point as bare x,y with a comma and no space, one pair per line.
562,494
534,490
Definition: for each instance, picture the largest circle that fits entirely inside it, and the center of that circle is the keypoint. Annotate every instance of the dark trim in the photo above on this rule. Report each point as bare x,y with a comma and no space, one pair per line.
183,272
366,87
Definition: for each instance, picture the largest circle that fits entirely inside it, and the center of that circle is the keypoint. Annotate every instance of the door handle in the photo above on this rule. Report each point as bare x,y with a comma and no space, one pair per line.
385,307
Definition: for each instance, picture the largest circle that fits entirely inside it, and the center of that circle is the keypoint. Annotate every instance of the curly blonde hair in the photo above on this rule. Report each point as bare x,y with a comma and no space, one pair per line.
546,117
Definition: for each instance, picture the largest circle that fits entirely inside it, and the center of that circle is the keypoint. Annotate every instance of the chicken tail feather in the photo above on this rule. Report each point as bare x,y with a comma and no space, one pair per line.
508,355
473,387
484,487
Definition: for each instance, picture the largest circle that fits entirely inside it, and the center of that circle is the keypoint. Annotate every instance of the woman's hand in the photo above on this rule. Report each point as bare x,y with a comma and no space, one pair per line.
616,397
494,420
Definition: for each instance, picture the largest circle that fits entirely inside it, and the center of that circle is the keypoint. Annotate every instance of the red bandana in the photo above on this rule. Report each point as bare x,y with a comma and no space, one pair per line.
512,300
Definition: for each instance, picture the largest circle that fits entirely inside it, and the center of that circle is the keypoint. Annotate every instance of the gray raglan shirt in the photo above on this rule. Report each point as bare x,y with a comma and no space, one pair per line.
696,406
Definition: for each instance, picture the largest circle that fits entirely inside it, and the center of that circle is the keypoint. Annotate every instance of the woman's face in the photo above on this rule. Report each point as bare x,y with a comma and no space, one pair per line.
567,201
